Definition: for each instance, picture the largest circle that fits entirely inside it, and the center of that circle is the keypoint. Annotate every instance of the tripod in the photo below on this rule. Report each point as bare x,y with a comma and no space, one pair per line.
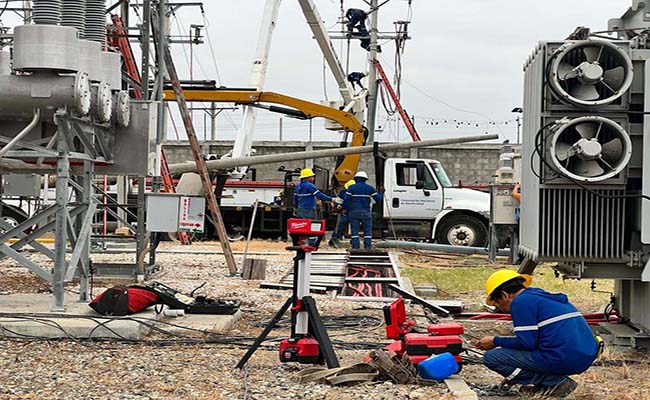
309,342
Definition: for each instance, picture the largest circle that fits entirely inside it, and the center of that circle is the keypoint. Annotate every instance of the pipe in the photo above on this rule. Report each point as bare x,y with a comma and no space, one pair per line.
21,134
398,244
304,155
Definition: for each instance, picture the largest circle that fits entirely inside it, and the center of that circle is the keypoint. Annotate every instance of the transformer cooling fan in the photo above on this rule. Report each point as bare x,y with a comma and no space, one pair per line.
589,149
590,73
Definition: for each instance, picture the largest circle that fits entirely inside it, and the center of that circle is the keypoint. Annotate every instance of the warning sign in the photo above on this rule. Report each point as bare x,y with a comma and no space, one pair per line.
192,214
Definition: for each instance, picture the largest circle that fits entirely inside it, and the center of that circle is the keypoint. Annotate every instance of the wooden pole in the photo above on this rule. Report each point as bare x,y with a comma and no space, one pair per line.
200,163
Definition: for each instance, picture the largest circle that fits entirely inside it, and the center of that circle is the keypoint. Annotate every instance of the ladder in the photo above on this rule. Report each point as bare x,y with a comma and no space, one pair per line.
398,105
121,41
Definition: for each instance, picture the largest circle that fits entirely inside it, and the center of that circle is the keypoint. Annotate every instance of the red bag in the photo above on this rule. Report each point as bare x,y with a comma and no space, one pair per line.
122,300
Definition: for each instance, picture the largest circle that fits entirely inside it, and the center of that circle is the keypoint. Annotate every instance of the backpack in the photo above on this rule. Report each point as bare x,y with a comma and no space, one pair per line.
123,300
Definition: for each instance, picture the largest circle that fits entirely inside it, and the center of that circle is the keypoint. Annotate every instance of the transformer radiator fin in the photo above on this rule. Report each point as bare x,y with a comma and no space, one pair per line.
576,225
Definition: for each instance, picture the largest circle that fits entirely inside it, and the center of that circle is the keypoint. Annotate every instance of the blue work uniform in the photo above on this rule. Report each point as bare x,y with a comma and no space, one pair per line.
359,208
356,19
552,340
355,79
304,197
343,219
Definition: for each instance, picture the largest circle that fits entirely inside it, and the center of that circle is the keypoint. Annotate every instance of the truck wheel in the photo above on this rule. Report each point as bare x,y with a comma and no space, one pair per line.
12,217
463,230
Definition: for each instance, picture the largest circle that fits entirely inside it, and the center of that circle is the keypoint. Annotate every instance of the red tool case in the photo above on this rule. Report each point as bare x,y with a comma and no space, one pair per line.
452,328
422,344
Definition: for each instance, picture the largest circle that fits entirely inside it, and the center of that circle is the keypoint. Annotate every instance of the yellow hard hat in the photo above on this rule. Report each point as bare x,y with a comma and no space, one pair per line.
502,276
306,173
349,183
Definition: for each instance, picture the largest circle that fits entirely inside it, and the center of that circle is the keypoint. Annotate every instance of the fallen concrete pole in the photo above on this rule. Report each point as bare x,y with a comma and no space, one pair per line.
443,248
304,155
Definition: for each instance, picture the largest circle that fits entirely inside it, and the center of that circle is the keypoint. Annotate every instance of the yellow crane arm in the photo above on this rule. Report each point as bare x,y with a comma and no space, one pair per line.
345,169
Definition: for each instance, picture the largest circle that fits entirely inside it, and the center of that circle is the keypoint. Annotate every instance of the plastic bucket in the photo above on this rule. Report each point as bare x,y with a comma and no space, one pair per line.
438,367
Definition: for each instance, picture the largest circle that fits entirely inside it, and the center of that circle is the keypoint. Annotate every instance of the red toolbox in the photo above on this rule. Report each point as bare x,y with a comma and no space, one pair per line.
452,328
422,344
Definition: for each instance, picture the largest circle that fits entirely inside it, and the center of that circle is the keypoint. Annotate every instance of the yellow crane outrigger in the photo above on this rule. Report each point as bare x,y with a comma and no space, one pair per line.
345,168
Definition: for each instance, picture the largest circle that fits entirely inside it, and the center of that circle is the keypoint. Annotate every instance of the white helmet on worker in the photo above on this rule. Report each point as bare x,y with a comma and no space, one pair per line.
307,173
361,174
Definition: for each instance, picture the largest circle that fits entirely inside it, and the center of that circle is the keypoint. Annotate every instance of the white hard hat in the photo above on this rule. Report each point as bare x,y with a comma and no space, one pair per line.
361,174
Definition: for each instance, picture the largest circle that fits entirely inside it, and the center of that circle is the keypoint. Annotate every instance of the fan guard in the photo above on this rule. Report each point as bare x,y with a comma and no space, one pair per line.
589,149
590,73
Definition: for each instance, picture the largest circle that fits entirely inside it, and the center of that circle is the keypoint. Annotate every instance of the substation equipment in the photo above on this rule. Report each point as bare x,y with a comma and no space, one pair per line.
62,104
586,160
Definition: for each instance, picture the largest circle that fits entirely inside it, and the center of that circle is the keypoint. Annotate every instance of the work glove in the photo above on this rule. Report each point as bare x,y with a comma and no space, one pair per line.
338,200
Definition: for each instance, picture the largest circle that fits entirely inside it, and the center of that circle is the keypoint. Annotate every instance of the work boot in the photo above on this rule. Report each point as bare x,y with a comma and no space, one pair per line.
530,390
563,389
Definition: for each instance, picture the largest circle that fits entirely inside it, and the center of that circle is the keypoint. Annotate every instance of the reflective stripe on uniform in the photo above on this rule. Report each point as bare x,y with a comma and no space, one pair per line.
559,318
514,374
307,194
526,328
360,195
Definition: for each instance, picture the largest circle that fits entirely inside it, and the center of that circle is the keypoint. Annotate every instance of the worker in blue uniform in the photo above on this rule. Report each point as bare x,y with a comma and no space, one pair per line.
355,79
356,20
552,339
306,193
343,219
358,204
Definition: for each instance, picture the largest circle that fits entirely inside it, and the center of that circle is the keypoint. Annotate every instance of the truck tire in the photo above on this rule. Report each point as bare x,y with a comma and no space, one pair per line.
12,216
463,230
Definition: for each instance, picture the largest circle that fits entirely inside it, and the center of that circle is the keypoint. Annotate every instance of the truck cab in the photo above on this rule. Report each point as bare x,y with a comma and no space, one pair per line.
421,203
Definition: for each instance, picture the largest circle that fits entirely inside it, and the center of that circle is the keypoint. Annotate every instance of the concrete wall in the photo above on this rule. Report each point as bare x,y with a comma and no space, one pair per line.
469,163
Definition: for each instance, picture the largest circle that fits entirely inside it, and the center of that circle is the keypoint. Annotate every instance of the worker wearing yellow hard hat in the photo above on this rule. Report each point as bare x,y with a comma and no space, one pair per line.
342,220
552,339
305,195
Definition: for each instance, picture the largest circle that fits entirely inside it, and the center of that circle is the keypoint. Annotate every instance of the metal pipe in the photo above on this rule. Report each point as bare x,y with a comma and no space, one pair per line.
21,134
398,244
304,155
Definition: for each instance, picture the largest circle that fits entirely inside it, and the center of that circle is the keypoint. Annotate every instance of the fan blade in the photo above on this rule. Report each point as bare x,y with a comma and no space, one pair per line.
614,77
585,92
563,151
612,150
591,53
565,71
587,130
587,168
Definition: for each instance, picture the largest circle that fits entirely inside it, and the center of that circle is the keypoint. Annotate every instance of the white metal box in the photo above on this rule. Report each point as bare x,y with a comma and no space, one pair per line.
171,212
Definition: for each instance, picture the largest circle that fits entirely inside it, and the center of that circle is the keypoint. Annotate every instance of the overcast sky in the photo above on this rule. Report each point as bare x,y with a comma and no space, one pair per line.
467,54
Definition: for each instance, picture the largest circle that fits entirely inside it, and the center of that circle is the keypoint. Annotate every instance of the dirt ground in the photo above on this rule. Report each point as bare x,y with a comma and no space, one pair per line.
177,370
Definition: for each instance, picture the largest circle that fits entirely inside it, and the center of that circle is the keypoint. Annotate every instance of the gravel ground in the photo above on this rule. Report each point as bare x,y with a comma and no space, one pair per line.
69,370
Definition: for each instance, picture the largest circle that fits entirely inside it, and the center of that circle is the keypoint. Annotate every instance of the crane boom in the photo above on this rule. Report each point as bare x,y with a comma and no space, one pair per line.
345,169
244,139
319,30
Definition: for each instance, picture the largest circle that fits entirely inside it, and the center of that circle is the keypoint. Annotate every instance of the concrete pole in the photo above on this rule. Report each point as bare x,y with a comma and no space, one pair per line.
372,71
303,155
281,138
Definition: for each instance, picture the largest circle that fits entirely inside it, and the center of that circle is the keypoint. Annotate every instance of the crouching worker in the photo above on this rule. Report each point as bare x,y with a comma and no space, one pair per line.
552,340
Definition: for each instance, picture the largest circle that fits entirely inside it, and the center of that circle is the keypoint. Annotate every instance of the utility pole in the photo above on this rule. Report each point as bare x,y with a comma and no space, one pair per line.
213,121
372,75
280,138
156,183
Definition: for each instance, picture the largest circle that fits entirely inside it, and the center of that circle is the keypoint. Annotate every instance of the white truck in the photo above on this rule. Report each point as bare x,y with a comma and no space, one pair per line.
421,203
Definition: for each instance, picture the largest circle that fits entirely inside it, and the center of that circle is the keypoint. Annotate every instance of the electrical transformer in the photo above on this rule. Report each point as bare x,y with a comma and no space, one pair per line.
586,159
